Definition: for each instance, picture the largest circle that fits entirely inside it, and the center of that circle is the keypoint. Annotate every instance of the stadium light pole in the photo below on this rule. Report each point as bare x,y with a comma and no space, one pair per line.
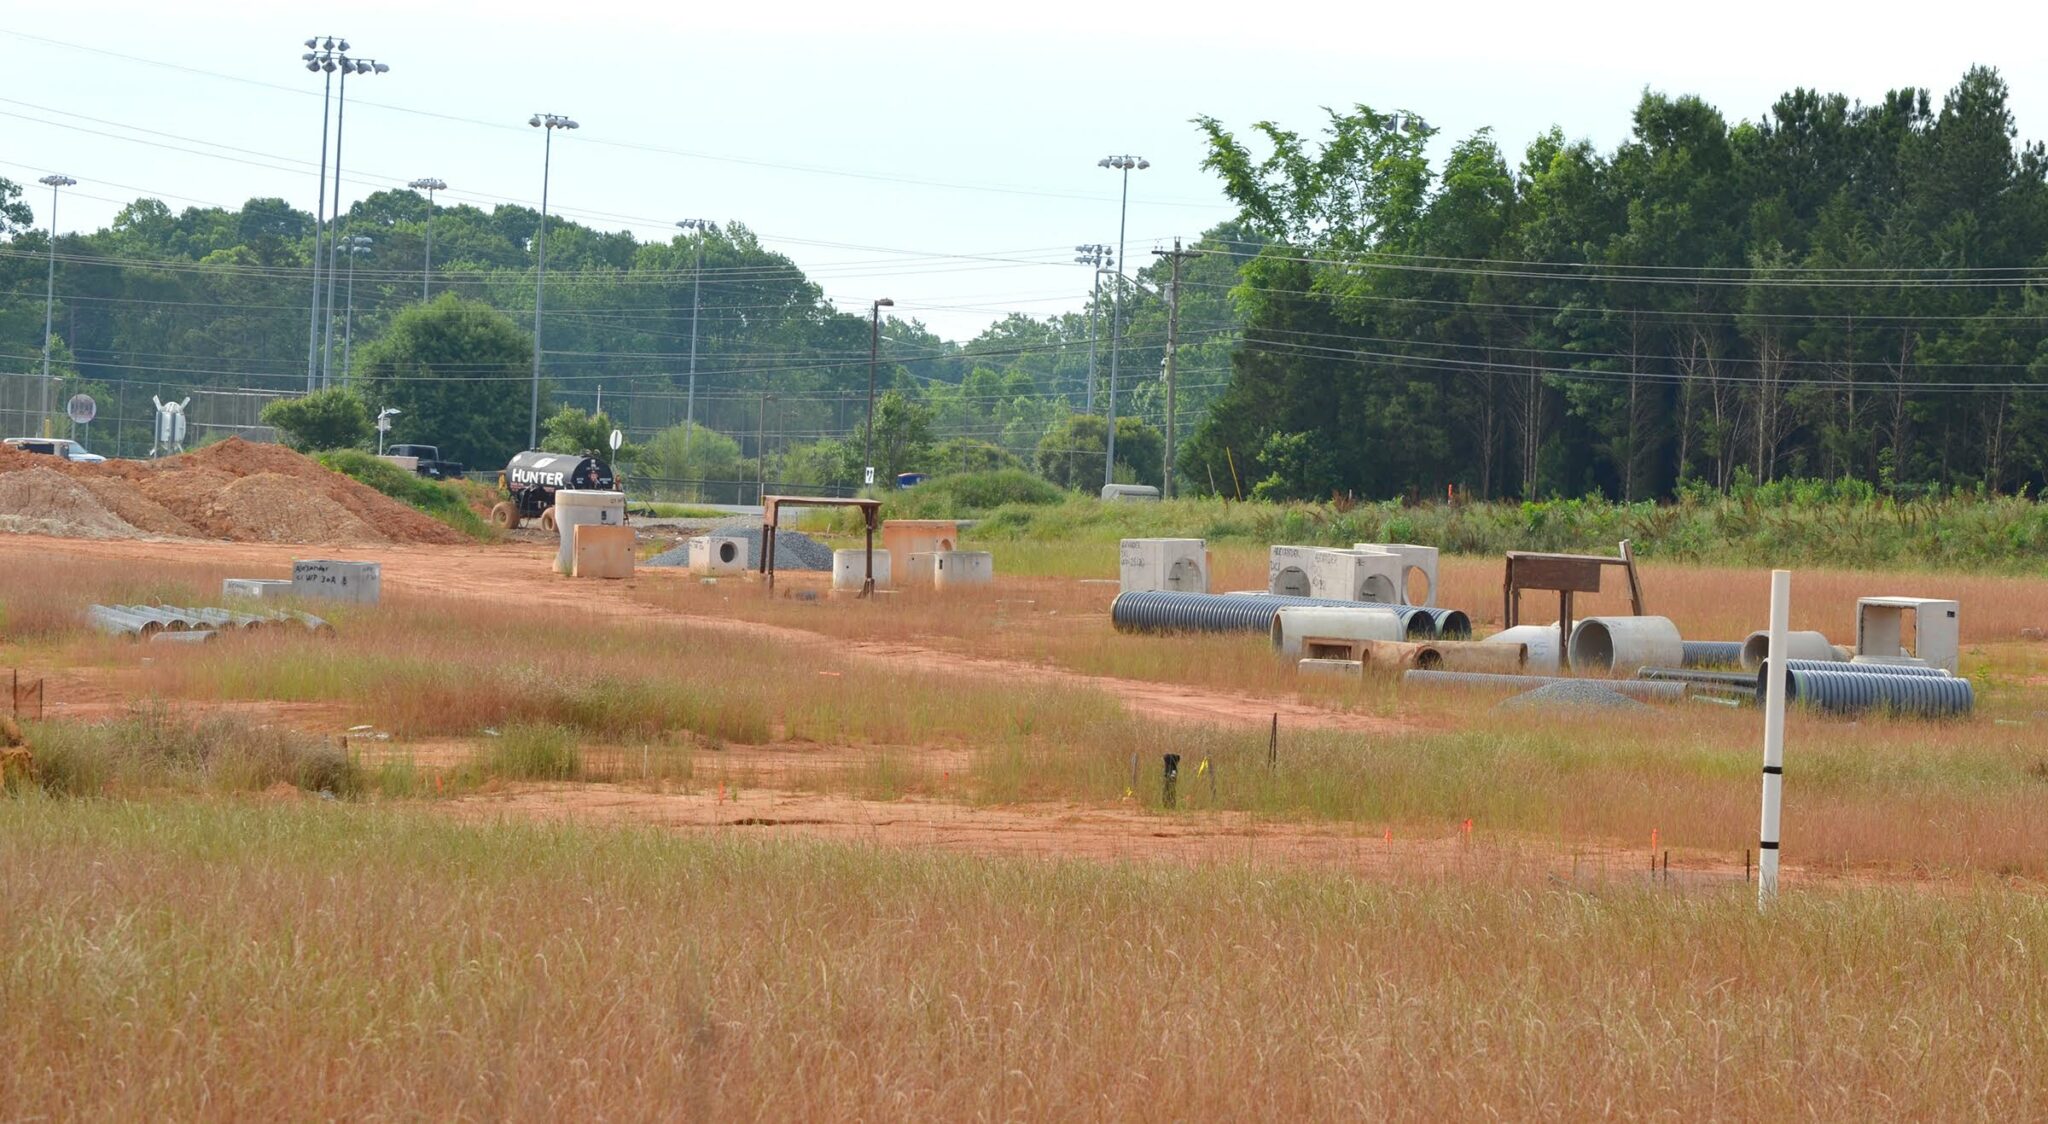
1123,164
547,123
874,351
55,183
357,247
347,67
1097,255
699,228
429,185
321,57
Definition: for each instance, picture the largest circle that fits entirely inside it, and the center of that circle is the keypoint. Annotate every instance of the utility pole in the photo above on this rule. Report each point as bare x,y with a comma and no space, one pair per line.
1172,345
761,456
1097,255
1124,164
699,228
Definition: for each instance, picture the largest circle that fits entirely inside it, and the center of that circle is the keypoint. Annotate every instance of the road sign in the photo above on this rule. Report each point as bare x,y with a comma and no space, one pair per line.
618,439
871,475
82,408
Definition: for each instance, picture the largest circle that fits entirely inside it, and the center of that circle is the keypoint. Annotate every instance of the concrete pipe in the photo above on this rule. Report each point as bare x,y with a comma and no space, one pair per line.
201,636
1466,655
1290,625
1798,646
116,622
1646,690
1624,644
1538,641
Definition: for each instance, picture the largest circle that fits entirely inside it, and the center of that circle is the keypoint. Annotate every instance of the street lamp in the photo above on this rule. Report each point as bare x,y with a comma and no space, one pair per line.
346,66
874,347
429,185
321,57
384,417
357,246
1122,164
547,123
700,228
1097,255
54,183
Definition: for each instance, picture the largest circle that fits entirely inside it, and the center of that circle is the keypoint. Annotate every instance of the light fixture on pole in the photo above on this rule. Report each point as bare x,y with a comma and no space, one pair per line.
54,183
357,247
347,66
322,57
384,417
699,228
429,185
1097,255
1123,164
547,123
874,350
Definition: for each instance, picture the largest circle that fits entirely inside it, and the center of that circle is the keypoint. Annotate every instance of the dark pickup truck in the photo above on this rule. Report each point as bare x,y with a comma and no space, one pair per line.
430,463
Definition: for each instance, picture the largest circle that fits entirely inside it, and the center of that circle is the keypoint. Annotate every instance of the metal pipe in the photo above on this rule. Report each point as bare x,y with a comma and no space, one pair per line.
1153,611
116,622
1633,688
1711,653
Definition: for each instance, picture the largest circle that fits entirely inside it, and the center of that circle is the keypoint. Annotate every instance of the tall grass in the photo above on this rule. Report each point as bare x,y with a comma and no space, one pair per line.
177,960
156,748
447,502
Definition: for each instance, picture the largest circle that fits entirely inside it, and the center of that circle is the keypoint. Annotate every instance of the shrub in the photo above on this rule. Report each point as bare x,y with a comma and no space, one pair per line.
442,501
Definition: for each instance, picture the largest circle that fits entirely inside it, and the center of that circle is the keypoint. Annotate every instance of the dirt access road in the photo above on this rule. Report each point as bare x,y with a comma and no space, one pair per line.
521,573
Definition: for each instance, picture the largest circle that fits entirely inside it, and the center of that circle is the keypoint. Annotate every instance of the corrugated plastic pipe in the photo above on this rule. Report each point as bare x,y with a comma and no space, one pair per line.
1864,668
1851,692
1711,653
1231,612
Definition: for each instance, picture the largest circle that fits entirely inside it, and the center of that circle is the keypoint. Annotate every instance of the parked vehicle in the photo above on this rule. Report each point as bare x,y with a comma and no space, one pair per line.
55,446
427,461
533,478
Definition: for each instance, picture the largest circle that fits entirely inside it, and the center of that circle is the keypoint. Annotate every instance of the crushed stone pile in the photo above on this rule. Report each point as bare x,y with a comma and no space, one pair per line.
1570,694
236,490
794,550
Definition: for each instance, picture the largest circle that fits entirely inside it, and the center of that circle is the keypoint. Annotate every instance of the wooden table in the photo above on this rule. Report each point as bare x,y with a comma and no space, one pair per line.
771,518
1565,574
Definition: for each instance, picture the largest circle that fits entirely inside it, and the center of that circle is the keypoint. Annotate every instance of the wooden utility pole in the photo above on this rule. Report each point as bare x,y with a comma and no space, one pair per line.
1172,345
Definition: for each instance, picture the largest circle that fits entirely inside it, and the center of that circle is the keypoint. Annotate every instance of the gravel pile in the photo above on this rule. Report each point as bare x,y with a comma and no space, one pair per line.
794,550
1572,694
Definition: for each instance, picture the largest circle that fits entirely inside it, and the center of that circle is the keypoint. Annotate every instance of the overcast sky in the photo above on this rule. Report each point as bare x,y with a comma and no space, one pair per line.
943,154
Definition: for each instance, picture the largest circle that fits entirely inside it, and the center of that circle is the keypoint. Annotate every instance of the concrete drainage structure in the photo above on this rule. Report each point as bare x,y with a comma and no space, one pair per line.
1355,575
574,508
850,570
361,582
1798,646
954,568
1360,623
1937,631
1415,560
1176,565
1287,570
1624,644
718,554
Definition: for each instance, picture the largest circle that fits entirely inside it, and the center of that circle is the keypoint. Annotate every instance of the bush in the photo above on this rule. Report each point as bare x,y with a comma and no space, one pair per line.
976,493
153,748
325,419
442,501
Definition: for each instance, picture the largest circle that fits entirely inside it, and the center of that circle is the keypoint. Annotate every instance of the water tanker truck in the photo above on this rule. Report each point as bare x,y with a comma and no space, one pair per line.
533,478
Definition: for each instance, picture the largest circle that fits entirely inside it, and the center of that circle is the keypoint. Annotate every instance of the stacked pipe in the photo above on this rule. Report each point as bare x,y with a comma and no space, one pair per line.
1847,688
149,621
1254,612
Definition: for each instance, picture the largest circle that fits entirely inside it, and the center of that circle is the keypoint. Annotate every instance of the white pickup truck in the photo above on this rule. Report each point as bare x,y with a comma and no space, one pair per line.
54,446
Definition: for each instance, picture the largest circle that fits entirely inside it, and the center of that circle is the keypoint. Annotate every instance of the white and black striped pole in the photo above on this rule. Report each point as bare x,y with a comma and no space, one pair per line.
1774,739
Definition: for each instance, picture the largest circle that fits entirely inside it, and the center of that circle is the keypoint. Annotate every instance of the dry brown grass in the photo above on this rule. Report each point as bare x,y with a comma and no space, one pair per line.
295,961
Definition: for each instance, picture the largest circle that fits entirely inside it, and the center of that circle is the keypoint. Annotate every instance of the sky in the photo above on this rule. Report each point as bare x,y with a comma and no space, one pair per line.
940,154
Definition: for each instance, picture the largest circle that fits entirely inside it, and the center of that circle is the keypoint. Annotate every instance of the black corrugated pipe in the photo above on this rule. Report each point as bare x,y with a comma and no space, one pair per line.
1866,668
1850,692
1712,653
1232,612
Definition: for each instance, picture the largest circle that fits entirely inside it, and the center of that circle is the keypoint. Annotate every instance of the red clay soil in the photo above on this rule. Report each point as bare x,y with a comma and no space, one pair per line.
238,491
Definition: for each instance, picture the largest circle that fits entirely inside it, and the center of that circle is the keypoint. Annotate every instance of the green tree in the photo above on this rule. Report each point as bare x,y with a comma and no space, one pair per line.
458,370
684,452
570,430
1071,453
325,419
902,438
965,454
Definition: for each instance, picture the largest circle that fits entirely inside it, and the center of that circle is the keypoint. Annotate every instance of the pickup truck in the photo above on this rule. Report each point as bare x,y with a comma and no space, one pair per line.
54,446
426,460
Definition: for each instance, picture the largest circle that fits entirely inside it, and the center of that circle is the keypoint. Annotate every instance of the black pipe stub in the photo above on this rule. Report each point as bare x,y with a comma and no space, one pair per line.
1169,780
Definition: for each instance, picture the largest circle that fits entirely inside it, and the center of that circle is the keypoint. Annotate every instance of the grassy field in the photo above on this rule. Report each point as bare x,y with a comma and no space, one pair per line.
305,960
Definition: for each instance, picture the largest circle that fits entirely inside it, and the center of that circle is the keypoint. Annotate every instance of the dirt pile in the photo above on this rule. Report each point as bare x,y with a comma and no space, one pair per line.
235,490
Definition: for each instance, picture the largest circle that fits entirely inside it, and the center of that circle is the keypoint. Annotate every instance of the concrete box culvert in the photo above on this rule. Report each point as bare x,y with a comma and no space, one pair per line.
1169,565
1798,646
1367,577
1287,570
1418,563
850,569
1624,645
1290,625
718,554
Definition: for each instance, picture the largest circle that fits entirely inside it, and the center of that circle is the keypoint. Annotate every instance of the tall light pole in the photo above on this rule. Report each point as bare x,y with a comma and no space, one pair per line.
322,57
547,123
1097,255
699,228
348,66
54,183
1122,164
874,350
357,247
429,185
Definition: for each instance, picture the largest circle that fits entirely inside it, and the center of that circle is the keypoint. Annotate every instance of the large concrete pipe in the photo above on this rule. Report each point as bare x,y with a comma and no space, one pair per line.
1633,688
1290,625
1851,692
1798,646
1625,644
1539,643
1251,612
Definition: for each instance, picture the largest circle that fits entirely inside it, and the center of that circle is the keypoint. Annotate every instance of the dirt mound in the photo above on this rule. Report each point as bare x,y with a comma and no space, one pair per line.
44,501
234,490
271,507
